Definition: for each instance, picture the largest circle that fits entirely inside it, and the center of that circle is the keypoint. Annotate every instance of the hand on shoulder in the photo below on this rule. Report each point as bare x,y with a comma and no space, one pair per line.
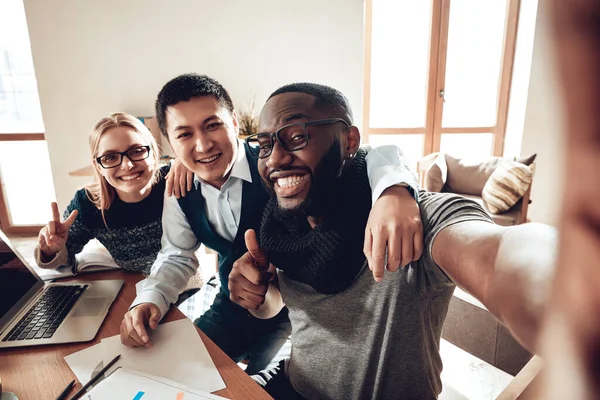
179,180
394,225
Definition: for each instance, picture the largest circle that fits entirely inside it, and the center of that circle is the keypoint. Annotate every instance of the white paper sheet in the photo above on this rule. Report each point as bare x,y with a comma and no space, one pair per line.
124,384
85,361
178,354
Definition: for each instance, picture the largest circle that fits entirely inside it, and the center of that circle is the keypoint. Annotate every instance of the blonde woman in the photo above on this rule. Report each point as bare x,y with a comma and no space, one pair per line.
122,208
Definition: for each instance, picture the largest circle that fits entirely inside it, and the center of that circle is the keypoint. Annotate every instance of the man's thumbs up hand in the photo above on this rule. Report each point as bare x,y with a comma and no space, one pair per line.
249,277
259,256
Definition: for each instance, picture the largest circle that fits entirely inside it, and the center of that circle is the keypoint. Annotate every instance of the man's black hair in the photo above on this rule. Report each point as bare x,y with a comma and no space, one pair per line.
327,99
183,88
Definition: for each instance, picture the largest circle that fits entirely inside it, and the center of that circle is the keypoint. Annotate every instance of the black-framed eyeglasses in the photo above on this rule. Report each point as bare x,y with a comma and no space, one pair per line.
113,160
290,137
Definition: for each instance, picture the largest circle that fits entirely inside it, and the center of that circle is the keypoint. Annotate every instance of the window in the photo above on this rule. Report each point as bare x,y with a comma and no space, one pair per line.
26,186
437,74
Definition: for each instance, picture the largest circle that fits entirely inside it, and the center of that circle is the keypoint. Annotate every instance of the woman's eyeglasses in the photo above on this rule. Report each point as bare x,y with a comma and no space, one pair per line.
113,160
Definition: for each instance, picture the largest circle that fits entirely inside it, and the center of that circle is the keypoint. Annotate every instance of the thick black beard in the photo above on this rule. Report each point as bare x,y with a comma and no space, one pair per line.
327,256
321,195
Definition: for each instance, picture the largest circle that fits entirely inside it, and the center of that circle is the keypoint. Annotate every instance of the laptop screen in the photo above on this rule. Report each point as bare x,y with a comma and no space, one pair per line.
15,278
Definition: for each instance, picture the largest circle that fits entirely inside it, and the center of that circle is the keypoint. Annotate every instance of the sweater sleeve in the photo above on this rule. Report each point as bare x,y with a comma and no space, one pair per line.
59,259
79,236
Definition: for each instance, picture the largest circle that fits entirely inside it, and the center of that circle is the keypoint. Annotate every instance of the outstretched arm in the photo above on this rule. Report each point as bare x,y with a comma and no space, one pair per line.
508,269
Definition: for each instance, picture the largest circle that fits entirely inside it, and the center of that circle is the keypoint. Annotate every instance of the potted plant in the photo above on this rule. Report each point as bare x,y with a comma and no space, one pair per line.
248,121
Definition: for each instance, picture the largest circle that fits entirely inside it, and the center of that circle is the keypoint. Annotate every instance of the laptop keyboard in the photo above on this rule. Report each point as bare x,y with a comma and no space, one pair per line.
44,318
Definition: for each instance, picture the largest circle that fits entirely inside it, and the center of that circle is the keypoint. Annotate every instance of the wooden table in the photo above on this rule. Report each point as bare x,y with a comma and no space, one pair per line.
40,372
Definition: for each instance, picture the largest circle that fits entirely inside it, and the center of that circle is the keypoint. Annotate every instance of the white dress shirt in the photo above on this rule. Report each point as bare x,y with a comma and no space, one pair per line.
176,262
224,206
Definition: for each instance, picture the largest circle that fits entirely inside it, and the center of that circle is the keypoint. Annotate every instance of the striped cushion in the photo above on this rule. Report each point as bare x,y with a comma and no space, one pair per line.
507,184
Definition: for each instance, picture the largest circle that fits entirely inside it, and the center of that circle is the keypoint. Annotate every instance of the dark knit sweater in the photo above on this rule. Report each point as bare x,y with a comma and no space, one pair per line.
135,229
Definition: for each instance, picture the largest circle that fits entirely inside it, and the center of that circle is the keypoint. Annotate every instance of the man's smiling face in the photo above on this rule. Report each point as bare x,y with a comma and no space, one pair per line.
203,134
299,178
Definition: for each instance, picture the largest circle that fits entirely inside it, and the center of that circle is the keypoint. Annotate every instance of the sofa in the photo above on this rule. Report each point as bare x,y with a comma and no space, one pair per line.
486,181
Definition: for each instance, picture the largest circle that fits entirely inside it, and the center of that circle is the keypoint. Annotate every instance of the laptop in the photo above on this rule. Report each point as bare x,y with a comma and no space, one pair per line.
34,312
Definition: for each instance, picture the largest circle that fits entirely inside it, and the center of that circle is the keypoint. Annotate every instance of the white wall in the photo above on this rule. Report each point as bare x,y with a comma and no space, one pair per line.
543,127
95,57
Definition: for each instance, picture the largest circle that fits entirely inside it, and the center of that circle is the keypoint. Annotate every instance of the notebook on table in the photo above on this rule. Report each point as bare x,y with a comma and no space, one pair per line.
91,259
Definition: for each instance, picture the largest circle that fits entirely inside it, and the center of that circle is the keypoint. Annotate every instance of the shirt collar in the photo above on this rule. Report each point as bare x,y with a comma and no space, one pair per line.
240,169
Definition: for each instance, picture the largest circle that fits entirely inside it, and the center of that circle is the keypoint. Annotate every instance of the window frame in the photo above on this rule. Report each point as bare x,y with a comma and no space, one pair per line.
438,46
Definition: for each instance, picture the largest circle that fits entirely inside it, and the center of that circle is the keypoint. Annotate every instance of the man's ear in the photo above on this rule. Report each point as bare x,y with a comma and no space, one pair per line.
236,125
352,142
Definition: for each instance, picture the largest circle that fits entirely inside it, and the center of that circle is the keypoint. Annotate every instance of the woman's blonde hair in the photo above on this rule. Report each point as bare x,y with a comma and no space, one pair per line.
100,192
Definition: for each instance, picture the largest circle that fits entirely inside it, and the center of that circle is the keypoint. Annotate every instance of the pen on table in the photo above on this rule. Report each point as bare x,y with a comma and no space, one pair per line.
95,378
63,394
